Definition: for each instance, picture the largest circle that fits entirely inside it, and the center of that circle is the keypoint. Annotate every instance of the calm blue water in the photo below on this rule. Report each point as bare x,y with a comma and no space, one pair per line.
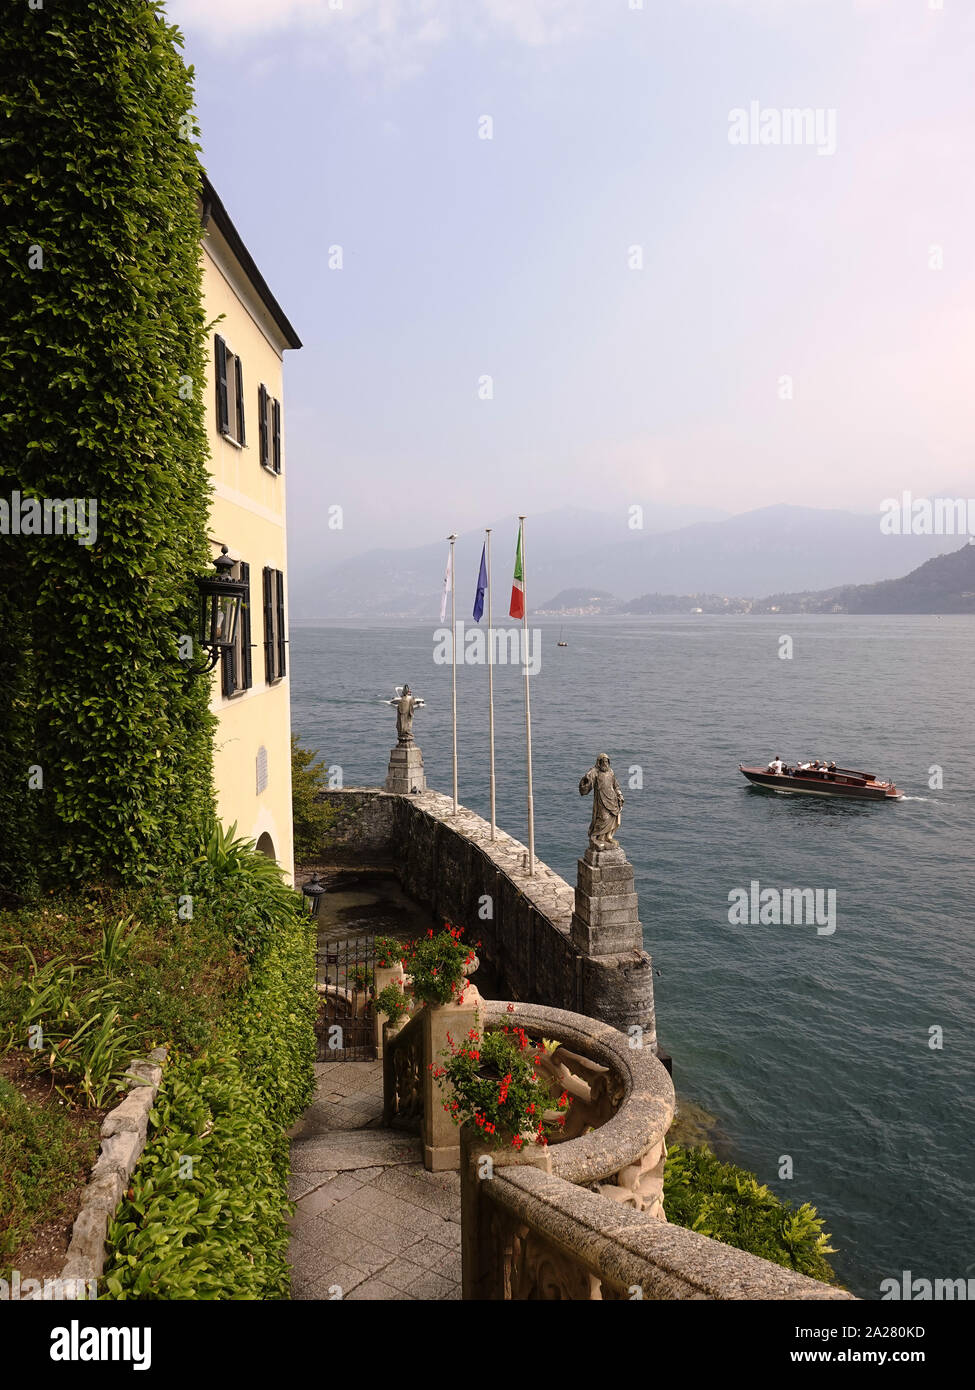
806,1045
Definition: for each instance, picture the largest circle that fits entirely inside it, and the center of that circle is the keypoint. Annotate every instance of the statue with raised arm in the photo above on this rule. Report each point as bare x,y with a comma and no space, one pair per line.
607,802
404,703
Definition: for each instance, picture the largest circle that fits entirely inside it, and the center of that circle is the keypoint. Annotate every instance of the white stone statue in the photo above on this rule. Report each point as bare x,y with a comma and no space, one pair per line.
405,702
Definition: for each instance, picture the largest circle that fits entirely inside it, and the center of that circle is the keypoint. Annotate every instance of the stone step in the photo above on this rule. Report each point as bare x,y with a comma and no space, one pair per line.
342,1150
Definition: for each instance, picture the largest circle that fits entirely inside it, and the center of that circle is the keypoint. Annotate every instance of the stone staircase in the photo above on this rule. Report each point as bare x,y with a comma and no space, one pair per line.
371,1223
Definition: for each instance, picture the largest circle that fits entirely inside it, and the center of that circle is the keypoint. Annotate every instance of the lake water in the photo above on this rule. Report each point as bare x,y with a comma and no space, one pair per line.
803,1044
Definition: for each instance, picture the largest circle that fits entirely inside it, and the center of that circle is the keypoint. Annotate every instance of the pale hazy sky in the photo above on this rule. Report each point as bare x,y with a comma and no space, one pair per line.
358,125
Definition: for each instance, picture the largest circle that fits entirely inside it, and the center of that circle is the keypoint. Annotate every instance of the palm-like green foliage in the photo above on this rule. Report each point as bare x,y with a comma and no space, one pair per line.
730,1205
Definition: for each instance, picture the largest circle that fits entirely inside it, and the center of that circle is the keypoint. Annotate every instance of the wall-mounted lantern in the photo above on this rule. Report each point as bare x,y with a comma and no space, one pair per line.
220,600
312,893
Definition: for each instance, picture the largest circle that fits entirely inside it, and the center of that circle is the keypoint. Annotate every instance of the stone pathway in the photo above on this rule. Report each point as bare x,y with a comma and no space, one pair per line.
371,1221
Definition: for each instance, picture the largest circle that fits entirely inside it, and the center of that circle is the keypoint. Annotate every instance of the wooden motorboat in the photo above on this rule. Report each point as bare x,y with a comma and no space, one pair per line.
834,781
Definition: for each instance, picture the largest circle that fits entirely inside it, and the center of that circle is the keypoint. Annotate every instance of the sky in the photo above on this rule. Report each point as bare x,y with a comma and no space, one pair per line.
667,313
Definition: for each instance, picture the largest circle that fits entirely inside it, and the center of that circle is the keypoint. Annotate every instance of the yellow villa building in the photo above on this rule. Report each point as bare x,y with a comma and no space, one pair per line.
245,424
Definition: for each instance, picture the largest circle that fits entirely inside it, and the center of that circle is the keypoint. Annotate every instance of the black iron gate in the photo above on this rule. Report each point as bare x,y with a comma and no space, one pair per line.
346,977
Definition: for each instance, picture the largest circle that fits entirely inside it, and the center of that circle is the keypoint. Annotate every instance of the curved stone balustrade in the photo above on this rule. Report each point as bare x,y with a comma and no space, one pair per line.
583,1218
624,1092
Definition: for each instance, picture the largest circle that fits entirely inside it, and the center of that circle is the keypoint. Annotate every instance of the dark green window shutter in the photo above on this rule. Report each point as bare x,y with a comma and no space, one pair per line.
268,625
245,629
276,452
220,363
282,630
228,670
239,375
262,421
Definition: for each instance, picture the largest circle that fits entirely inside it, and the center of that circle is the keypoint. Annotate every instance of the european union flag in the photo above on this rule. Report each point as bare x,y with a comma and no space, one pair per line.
481,586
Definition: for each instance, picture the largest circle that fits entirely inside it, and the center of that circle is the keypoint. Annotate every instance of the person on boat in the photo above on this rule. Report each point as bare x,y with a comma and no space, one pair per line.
777,766
804,767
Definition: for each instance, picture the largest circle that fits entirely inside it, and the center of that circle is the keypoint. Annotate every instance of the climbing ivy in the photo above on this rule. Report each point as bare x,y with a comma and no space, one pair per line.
101,398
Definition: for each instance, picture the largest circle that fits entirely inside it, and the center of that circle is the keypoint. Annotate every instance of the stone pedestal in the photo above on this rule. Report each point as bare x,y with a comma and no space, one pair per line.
405,774
606,921
441,1137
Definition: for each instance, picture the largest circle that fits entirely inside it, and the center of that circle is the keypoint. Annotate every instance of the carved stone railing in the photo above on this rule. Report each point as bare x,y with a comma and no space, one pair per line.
403,1069
622,1107
540,1237
583,1219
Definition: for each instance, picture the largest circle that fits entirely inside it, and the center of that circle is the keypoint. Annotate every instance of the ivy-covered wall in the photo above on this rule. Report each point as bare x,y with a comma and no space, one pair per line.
106,749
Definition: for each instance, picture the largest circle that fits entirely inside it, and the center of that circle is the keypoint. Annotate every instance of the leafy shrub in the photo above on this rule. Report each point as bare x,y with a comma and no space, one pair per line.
135,974
221,1231
491,1082
102,179
243,889
84,1044
436,964
275,1028
389,950
312,818
392,1002
205,1216
730,1205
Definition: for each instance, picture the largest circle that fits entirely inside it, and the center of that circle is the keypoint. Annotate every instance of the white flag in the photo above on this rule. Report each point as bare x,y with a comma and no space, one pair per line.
448,580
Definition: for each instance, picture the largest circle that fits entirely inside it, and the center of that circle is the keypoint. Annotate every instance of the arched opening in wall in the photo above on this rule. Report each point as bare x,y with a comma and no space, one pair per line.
266,846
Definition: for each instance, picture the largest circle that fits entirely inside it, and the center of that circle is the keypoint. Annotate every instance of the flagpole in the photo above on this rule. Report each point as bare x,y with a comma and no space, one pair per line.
453,652
528,707
490,681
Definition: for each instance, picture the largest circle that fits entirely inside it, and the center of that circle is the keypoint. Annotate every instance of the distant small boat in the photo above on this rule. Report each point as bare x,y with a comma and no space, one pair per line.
560,643
830,781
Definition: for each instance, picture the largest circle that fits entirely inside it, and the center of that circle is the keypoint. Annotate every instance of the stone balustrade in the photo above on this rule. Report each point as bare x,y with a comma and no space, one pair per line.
543,939
583,1218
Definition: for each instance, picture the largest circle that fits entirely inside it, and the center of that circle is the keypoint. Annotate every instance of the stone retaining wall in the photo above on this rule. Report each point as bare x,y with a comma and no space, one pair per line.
123,1132
451,865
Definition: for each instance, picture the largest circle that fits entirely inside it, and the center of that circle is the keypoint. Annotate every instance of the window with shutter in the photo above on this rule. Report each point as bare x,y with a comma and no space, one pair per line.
269,650
247,675
276,450
220,364
235,661
282,630
262,402
239,382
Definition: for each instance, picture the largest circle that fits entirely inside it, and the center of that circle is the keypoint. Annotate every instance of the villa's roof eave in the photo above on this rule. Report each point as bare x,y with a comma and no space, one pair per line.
214,208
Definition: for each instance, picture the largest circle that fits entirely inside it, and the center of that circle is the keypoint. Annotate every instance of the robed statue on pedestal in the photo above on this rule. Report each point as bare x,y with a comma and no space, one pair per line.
607,802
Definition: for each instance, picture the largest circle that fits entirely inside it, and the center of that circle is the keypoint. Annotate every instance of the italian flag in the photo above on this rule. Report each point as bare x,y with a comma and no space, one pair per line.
517,609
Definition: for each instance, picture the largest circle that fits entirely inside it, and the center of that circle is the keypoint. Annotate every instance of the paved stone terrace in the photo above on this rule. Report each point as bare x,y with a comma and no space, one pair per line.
370,1218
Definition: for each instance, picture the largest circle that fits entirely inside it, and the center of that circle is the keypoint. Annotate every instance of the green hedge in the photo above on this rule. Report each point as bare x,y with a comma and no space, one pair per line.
730,1205
101,397
216,1227
232,993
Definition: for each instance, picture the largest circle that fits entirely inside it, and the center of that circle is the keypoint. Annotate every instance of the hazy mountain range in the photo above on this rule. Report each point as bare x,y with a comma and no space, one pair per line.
783,550
945,584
